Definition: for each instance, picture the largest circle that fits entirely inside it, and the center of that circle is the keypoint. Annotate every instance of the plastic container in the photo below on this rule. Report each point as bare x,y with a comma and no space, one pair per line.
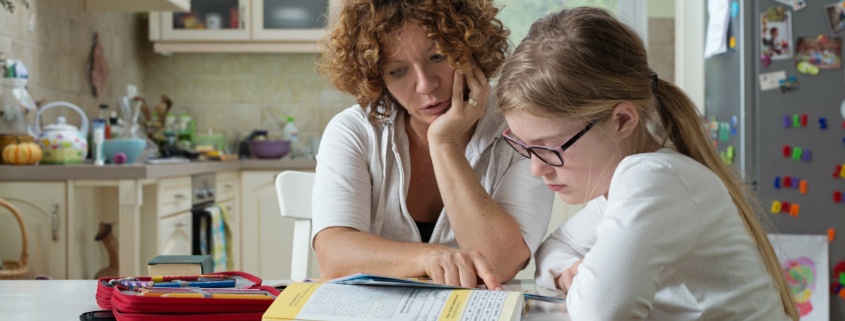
291,132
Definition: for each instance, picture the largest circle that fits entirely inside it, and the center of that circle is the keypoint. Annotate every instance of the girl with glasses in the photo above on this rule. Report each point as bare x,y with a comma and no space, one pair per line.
668,232
414,180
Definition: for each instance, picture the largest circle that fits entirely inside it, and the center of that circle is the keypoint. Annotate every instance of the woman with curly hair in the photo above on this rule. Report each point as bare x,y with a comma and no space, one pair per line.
414,180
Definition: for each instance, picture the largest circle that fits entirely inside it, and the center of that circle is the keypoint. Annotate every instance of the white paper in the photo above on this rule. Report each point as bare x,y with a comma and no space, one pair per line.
804,259
770,80
376,303
717,27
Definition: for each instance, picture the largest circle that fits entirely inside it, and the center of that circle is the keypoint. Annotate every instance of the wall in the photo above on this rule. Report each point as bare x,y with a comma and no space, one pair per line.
234,93
661,38
53,39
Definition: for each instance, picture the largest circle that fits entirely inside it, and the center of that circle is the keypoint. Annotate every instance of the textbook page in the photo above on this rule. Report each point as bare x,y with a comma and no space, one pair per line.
326,301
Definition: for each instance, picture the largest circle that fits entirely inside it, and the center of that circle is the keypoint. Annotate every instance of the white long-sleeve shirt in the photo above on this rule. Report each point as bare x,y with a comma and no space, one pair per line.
666,244
363,169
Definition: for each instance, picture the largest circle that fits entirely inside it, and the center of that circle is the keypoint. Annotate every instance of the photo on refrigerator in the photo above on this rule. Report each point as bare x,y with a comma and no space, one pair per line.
776,33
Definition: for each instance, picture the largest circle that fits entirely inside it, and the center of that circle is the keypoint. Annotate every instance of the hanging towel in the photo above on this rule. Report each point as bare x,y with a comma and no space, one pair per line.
218,238
227,220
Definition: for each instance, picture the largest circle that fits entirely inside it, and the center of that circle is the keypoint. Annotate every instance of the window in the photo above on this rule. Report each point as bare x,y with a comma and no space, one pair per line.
518,15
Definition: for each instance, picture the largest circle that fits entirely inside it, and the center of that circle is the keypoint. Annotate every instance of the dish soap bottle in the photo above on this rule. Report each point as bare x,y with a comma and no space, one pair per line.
291,133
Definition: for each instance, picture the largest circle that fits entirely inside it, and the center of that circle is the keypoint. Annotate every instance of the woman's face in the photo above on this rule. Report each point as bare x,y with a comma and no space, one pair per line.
417,76
588,164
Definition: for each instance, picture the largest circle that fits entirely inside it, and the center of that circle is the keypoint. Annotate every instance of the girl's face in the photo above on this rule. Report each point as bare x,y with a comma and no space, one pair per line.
588,163
417,76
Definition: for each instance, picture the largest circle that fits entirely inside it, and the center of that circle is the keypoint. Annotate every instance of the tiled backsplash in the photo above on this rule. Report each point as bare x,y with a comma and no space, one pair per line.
53,38
234,93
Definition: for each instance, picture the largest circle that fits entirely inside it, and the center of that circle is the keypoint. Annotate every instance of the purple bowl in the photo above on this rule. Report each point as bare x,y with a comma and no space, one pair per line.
269,148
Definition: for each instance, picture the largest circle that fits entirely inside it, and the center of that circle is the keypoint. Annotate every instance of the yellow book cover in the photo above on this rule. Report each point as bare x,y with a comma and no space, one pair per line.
342,302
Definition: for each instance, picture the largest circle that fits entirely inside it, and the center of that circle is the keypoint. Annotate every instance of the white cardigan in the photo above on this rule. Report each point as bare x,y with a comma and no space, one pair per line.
362,169
667,244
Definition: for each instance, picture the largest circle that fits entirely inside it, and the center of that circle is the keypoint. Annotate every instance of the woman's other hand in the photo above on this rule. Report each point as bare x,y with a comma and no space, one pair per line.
564,281
461,268
464,113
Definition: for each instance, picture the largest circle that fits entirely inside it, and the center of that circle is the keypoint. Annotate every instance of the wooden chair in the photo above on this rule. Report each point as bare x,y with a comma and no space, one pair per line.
294,192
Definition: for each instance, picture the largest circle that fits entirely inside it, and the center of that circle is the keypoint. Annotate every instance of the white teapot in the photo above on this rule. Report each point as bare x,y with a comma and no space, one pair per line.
62,143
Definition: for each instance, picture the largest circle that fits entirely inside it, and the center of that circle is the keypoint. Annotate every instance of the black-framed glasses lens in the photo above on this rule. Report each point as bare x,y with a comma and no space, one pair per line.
548,156
519,149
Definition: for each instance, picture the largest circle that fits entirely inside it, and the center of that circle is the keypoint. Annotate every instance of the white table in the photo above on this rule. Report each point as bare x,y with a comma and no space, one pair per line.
33,300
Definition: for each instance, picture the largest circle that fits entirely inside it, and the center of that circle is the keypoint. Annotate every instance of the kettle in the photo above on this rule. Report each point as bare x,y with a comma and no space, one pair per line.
62,143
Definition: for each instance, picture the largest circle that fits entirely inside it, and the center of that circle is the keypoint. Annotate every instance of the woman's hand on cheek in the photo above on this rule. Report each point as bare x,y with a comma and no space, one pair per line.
450,127
461,268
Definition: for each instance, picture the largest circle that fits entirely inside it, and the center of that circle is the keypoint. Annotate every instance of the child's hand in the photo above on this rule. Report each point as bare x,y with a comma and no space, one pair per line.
564,281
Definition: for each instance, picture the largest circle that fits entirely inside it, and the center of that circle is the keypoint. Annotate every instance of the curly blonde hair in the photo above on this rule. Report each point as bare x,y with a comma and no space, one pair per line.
353,55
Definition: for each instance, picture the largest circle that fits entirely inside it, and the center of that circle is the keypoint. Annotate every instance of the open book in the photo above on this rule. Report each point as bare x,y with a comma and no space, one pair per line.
363,297
369,279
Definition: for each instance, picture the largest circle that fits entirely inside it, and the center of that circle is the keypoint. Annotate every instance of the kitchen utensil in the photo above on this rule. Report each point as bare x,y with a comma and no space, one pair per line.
131,147
269,148
15,104
62,143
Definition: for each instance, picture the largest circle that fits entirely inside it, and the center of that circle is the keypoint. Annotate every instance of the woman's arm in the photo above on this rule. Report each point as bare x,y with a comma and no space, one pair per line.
347,251
479,222
342,214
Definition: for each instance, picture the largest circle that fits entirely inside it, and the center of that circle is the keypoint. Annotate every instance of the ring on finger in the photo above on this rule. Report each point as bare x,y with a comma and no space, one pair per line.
473,102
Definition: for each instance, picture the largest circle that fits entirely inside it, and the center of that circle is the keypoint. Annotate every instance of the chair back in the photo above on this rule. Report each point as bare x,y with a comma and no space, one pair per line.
293,189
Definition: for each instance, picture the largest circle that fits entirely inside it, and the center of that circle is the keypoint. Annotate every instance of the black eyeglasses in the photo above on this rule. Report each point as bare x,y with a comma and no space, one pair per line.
548,155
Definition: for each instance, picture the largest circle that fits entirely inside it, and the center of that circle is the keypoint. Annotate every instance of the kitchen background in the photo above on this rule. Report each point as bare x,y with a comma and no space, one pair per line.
229,93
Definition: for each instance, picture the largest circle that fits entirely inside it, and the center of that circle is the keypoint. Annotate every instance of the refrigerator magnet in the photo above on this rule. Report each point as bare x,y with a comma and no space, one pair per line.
842,109
770,80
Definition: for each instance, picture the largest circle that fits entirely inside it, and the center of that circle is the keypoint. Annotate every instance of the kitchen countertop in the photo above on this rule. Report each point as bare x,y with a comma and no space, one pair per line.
143,171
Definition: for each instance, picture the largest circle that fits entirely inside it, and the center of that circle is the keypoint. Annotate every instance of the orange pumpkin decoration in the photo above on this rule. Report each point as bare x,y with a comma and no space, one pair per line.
22,154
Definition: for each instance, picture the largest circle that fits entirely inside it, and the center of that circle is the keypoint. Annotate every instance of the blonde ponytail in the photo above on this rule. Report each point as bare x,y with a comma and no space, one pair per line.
680,120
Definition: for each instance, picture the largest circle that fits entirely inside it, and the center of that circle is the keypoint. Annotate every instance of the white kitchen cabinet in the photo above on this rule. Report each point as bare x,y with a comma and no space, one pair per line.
243,26
43,206
174,195
294,20
267,237
137,5
208,20
174,234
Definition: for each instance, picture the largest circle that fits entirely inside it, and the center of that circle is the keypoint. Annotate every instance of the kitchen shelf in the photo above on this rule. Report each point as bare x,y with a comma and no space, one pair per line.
236,47
138,5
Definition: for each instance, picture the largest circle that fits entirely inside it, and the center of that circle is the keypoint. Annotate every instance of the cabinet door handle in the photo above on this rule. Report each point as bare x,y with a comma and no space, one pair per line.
54,222
179,196
179,225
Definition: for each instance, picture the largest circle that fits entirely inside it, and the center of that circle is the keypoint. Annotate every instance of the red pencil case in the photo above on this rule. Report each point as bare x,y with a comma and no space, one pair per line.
127,306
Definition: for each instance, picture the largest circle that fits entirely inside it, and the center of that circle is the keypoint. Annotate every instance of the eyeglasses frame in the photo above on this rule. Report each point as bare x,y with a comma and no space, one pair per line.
557,151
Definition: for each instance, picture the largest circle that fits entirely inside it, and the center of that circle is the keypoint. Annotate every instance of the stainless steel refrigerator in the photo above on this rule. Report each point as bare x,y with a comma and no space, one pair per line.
770,125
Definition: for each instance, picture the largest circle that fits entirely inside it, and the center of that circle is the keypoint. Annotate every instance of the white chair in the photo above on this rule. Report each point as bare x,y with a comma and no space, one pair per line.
294,192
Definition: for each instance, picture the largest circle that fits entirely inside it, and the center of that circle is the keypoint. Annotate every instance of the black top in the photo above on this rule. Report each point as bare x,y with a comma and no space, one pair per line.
426,228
